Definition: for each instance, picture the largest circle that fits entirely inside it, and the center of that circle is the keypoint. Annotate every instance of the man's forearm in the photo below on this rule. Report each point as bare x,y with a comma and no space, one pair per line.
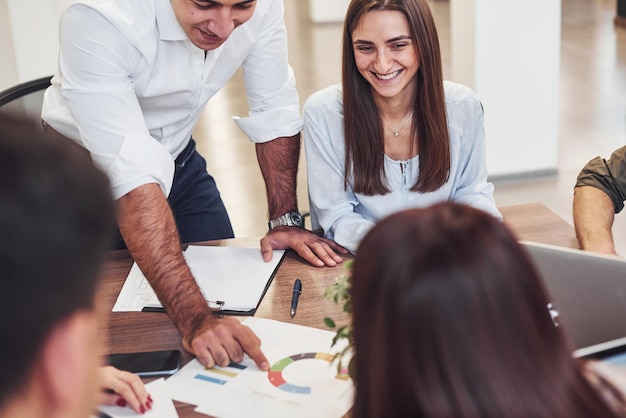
278,160
148,227
593,219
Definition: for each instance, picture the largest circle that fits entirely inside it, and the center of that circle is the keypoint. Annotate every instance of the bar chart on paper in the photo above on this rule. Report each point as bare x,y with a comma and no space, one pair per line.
194,382
221,375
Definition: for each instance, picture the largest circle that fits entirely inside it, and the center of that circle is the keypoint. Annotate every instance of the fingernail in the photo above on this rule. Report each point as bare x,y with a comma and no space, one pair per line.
148,405
265,365
142,409
121,402
150,398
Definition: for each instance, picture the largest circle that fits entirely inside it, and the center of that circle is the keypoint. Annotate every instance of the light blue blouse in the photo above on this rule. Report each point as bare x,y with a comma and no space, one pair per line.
346,216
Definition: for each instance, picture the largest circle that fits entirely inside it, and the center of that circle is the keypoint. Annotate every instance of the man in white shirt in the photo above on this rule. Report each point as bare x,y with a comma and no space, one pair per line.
133,79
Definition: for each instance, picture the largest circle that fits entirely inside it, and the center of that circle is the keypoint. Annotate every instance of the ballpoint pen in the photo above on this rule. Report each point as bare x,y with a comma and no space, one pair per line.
297,289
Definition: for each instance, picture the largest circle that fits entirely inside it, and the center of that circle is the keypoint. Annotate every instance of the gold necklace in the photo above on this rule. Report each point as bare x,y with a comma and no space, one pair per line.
397,133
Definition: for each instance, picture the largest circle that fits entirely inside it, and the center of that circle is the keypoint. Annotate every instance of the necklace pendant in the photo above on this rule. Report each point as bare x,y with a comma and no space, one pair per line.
396,134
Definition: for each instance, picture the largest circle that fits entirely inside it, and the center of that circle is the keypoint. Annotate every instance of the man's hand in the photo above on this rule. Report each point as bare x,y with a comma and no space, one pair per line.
220,340
316,250
278,160
148,227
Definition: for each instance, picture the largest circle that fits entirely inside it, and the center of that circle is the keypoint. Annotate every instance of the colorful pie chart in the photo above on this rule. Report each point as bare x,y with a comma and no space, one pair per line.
276,377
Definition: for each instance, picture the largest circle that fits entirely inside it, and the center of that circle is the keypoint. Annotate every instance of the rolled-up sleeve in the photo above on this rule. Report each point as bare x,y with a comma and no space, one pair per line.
270,84
95,67
608,176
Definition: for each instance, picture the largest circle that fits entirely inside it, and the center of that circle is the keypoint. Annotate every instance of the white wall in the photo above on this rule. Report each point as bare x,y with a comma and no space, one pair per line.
29,39
325,11
508,51
8,68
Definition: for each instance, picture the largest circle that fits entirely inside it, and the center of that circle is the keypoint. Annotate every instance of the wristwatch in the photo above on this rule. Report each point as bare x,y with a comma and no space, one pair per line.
291,218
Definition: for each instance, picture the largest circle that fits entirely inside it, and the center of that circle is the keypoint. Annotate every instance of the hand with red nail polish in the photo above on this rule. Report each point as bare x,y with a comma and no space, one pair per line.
123,389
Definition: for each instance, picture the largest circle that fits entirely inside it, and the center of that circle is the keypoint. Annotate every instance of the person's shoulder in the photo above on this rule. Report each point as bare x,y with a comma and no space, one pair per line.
120,13
329,99
266,6
267,11
267,17
459,93
619,153
462,103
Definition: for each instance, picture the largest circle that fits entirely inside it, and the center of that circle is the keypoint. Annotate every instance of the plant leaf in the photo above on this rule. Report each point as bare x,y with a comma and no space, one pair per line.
329,322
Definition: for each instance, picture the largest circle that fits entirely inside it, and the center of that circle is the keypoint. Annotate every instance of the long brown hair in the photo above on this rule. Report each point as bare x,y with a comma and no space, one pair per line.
450,320
363,128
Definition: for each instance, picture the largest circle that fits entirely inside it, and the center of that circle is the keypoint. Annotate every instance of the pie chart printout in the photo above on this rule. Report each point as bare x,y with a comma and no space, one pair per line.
317,367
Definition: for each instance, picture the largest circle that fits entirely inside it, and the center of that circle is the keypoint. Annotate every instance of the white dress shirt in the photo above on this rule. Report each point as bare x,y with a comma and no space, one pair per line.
346,216
131,86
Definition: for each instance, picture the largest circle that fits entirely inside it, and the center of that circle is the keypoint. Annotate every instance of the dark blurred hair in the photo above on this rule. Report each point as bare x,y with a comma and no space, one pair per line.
450,320
363,126
56,211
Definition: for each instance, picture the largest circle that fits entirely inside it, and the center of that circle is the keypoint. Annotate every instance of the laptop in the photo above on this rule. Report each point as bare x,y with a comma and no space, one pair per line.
588,291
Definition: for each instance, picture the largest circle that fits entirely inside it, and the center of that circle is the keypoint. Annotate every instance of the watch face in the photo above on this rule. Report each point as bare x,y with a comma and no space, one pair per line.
296,218
288,219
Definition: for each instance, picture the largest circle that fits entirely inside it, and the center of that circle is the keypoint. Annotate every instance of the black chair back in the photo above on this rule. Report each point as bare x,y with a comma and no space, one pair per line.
25,98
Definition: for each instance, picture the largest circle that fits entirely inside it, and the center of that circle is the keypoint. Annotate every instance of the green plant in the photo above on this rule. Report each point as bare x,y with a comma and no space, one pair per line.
339,292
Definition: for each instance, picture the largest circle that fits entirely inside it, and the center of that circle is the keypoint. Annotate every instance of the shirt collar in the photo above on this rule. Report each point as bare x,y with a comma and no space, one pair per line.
169,28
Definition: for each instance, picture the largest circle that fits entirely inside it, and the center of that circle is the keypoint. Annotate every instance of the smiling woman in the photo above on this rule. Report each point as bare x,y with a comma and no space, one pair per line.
208,23
394,135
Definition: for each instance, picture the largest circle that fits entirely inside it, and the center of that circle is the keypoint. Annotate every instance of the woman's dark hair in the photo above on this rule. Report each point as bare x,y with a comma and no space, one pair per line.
363,128
450,320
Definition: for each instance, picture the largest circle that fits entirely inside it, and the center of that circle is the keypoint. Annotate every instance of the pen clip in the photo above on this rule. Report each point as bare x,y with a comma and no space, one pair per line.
216,304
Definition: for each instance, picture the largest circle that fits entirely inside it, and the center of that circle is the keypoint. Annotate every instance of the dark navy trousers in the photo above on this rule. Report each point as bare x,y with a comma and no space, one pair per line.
195,201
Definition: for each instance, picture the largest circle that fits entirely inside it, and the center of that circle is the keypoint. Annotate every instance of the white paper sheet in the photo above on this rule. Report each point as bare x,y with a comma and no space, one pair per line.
236,276
306,385
162,405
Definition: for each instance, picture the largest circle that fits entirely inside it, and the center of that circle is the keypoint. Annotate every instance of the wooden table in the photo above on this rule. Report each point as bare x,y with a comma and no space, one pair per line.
139,331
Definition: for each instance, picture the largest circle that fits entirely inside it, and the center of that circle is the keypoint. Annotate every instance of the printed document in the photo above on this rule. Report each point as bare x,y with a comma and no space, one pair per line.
303,380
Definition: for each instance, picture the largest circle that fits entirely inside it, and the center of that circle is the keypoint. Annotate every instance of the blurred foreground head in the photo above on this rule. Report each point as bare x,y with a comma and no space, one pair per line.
56,212
450,320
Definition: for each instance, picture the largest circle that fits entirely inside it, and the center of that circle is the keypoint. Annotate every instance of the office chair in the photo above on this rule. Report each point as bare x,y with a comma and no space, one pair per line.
25,98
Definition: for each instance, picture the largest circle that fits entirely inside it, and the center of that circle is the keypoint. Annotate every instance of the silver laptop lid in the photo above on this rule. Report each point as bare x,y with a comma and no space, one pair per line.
588,291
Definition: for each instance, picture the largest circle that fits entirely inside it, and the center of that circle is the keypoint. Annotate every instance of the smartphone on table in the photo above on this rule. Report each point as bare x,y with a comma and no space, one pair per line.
147,363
